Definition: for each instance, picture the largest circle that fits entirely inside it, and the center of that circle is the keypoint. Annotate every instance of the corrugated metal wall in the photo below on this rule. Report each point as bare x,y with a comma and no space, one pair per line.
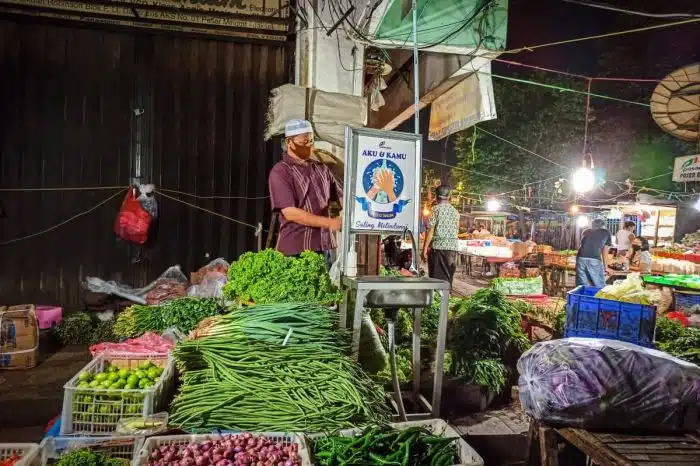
67,100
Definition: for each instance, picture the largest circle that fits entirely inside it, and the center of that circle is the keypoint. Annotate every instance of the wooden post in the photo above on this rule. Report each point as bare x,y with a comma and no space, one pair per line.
549,454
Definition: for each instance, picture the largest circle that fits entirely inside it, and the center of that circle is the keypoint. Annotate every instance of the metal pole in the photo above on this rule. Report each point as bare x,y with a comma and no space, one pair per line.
416,81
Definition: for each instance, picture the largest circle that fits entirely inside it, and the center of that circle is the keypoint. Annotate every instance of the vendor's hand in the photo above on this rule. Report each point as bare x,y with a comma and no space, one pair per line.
335,224
608,272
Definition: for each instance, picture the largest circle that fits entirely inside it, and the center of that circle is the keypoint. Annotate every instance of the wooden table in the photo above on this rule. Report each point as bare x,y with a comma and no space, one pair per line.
497,261
613,449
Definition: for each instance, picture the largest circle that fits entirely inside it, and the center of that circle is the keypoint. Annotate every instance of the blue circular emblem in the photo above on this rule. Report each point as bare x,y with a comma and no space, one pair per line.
368,179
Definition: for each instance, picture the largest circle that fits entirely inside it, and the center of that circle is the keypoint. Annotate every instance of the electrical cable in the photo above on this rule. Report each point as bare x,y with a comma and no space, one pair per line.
603,6
59,225
204,210
471,171
522,148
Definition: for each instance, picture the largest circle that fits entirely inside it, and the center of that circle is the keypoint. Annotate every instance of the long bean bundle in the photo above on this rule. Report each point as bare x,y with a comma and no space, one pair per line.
245,371
275,323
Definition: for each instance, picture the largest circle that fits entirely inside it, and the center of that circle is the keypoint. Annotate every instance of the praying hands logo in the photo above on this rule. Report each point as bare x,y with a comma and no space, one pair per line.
383,185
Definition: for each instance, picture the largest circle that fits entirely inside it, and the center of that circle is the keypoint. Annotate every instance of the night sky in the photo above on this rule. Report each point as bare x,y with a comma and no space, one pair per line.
532,22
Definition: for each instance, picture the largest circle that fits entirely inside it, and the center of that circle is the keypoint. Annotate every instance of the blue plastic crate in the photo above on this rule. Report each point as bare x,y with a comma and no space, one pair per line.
687,302
588,316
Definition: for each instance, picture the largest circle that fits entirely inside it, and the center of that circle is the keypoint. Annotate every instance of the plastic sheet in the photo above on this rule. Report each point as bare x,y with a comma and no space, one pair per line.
137,295
148,343
595,383
208,288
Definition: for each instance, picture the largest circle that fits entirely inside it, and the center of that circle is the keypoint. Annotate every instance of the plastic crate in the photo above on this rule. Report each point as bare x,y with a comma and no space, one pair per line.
467,455
95,411
152,443
687,302
591,317
126,447
29,452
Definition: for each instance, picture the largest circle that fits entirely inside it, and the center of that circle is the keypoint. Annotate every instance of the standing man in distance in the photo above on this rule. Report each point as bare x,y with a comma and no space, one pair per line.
624,238
443,228
591,260
302,190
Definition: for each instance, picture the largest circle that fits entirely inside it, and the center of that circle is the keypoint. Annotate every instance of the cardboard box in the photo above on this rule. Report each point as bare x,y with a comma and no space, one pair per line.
18,329
19,360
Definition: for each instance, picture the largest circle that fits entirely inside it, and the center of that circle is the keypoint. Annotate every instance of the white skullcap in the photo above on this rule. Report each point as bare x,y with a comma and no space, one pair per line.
296,127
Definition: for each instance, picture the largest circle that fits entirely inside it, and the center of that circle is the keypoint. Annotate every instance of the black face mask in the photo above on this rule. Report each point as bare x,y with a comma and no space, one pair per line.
636,247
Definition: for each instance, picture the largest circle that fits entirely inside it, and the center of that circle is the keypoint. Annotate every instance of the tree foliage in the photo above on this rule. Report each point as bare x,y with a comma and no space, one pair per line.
545,121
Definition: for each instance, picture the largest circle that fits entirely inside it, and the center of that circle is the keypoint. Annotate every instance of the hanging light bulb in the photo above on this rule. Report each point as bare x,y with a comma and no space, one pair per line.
493,205
583,179
426,211
574,209
582,221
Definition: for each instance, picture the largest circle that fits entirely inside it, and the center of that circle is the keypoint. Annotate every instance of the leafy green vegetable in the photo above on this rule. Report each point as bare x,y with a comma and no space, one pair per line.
486,327
183,313
404,368
686,346
270,277
668,330
89,458
80,328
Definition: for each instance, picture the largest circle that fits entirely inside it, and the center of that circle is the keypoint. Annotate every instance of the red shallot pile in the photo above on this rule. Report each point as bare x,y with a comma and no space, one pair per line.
230,450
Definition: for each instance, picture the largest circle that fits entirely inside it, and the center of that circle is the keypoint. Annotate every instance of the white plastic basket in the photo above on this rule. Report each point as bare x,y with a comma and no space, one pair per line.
467,455
95,411
28,452
126,447
152,443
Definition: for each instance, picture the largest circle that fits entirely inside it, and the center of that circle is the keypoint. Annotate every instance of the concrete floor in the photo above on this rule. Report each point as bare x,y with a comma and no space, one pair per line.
29,399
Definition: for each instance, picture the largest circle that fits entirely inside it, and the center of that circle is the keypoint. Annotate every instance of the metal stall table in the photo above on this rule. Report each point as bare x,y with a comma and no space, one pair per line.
410,292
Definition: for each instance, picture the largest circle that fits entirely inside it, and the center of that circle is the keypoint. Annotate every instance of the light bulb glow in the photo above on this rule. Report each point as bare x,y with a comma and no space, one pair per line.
426,211
583,180
574,209
493,205
582,221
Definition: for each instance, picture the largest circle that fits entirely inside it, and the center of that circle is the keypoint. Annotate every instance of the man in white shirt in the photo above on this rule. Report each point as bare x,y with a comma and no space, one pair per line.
624,238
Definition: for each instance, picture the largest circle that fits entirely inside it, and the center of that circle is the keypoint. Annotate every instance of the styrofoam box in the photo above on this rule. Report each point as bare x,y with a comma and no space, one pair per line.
29,452
94,411
155,442
126,447
467,455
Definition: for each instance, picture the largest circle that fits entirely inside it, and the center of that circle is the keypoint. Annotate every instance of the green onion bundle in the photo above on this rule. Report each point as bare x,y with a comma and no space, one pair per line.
246,371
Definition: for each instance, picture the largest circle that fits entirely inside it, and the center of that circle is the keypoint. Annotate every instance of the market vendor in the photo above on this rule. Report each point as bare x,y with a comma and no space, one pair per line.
639,255
592,257
443,228
302,190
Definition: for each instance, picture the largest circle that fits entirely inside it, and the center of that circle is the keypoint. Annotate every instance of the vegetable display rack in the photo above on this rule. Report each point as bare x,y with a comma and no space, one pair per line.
467,455
96,411
28,453
127,447
153,443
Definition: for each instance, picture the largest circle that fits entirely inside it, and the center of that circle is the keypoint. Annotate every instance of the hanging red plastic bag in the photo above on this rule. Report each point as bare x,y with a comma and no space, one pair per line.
133,221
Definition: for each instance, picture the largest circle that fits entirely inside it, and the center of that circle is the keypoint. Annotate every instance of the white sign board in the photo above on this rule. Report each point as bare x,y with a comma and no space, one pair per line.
687,168
385,174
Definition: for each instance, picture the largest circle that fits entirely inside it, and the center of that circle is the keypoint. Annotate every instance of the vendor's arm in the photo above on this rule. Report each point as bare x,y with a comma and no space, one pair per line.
302,217
283,199
604,252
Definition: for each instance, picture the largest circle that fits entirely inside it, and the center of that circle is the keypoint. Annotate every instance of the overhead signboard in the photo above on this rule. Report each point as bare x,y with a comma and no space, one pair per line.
687,168
253,19
457,109
382,179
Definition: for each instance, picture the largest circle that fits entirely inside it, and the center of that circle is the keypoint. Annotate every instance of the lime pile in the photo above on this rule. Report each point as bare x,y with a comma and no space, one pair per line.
102,398
114,378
